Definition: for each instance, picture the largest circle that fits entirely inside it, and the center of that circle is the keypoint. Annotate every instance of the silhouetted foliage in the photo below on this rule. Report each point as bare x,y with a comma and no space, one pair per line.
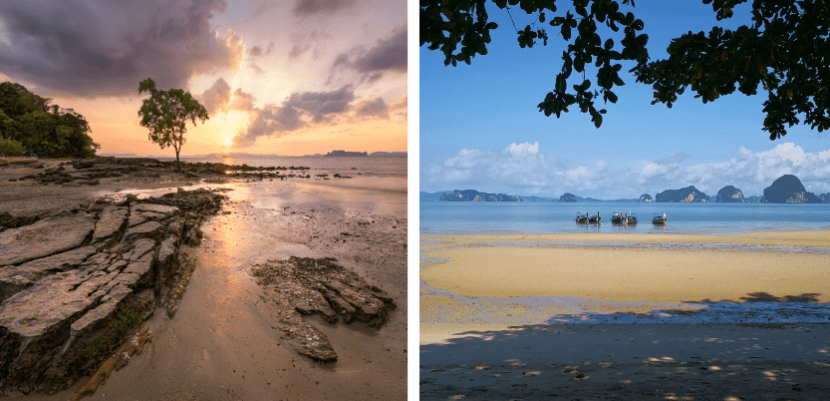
447,23
165,113
785,51
44,129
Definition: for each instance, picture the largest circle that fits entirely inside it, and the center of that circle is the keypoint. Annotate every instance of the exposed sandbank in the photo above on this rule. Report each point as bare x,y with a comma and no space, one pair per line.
509,266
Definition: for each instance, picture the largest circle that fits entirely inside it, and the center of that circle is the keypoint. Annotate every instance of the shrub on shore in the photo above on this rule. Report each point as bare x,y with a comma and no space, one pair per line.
44,129
9,147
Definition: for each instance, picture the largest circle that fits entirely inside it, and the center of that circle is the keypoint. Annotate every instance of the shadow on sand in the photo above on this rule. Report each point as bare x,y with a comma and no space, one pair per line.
622,361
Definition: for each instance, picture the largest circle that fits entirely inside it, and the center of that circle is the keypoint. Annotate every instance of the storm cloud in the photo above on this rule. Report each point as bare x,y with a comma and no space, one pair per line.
107,48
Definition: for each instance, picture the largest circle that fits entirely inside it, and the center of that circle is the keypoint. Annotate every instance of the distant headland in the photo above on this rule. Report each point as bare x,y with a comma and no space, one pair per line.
785,189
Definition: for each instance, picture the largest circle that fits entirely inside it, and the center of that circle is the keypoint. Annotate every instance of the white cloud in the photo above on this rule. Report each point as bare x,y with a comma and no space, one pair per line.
521,169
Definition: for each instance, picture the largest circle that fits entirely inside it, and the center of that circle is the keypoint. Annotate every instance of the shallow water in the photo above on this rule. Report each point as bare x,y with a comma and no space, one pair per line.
558,217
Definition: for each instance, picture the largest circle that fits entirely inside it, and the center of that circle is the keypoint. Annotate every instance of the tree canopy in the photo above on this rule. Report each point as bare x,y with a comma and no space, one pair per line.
43,129
785,51
165,113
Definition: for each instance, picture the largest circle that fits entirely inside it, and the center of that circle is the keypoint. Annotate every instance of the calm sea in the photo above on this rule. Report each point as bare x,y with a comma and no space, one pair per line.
381,172
556,217
374,184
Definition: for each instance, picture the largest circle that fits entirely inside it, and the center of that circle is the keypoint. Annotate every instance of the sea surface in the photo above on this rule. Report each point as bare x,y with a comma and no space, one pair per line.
375,184
558,217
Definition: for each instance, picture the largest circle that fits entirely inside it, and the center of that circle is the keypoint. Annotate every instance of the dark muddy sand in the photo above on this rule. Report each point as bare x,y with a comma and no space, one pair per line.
221,344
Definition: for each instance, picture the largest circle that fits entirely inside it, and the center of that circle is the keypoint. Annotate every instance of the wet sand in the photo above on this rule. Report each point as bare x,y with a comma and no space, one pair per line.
509,316
221,343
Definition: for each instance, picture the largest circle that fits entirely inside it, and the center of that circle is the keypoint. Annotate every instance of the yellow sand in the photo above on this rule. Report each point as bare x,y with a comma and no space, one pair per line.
487,266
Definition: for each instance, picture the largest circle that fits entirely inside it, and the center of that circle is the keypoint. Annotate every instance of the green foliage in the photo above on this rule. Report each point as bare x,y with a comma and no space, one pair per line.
10,147
44,129
447,23
165,113
785,51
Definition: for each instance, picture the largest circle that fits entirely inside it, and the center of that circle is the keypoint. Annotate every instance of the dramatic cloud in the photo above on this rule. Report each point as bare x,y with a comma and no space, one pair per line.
388,55
321,105
300,110
217,97
311,7
372,108
271,121
522,169
107,48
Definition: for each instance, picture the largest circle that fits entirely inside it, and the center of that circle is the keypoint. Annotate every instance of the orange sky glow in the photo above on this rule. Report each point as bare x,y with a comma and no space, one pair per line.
290,78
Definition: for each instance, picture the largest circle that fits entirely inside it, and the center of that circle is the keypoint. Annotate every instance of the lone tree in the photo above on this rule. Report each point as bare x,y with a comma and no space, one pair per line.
785,51
165,113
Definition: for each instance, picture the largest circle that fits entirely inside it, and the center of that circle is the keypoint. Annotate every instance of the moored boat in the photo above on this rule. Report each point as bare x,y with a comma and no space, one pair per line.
581,218
594,219
659,220
620,218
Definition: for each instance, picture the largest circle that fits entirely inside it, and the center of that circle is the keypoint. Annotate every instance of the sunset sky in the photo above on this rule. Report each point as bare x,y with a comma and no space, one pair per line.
481,129
292,77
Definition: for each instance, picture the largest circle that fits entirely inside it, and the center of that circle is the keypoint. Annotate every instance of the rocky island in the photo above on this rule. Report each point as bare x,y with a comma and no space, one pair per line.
730,194
683,195
470,195
567,197
788,189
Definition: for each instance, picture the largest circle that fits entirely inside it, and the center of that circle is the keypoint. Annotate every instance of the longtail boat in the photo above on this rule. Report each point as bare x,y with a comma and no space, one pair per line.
659,220
620,218
594,219
581,218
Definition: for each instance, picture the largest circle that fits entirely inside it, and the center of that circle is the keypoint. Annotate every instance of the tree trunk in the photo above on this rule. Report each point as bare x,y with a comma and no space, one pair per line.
178,164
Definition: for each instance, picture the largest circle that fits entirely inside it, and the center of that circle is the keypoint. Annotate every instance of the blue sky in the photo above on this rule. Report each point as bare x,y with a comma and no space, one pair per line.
480,128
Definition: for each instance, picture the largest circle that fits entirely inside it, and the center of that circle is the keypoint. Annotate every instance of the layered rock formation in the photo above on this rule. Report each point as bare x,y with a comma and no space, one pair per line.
684,195
471,195
645,198
319,286
73,285
730,194
788,189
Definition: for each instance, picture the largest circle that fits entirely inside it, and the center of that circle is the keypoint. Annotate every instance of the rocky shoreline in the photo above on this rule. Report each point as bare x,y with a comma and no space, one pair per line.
75,284
83,263
308,286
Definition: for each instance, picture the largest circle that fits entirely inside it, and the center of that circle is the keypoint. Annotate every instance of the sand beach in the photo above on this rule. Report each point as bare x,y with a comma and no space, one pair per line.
620,316
228,335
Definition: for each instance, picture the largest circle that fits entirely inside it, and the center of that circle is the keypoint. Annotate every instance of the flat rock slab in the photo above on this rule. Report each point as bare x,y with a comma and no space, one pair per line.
320,286
109,222
44,238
